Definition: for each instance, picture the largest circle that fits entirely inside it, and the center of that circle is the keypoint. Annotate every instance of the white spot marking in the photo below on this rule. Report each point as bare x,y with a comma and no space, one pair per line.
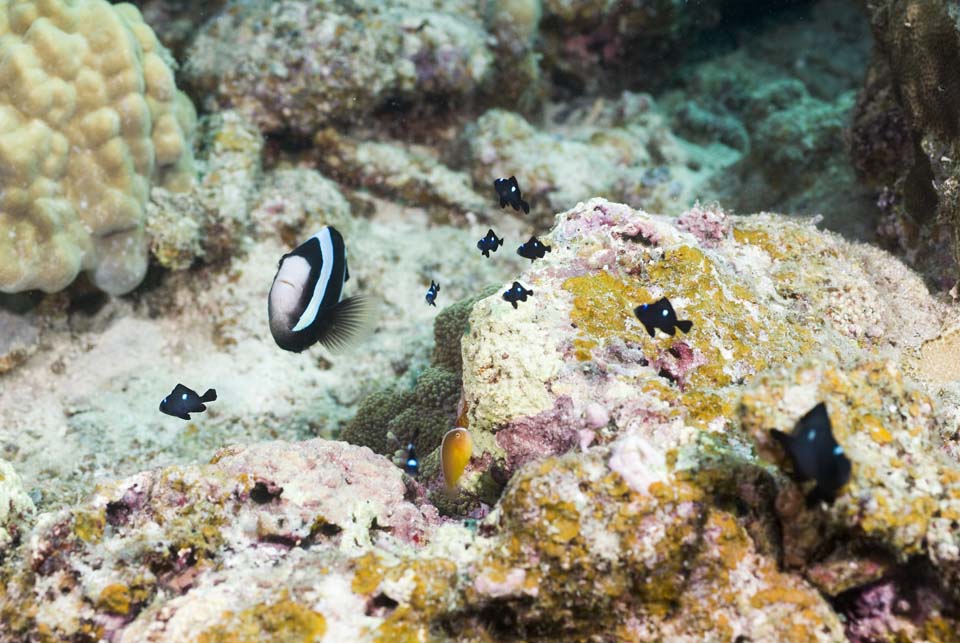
811,435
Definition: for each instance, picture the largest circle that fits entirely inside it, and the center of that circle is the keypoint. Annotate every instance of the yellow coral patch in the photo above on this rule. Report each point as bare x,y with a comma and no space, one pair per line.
284,621
115,599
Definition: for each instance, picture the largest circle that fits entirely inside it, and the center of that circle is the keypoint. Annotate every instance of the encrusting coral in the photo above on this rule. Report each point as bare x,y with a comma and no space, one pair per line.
90,119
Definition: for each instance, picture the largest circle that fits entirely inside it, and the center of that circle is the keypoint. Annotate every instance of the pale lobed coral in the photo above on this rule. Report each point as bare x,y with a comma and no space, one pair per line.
90,119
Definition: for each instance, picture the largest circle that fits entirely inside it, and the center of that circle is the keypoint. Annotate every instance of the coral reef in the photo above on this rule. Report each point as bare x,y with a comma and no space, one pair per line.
360,57
620,148
18,339
91,119
906,130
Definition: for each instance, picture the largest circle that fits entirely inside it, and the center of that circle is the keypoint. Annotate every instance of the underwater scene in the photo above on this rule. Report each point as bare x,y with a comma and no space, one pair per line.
480,320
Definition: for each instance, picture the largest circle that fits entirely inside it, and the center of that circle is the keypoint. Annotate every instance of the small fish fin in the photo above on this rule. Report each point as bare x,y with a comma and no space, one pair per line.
669,330
503,202
346,273
209,396
349,322
785,439
685,325
486,253
184,416
817,495
514,304
525,206
651,329
200,408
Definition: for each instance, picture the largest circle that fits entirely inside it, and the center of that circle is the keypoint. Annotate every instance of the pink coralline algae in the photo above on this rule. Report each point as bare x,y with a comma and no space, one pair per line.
709,223
552,432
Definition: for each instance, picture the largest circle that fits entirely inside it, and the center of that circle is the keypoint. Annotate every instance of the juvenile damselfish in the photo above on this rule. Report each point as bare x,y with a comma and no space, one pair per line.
533,249
816,455
412,463
516,293
489,243
660,314
432,293
455,452
306,303
183,401
508,190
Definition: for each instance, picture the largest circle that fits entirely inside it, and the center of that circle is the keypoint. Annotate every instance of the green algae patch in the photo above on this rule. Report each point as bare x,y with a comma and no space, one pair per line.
284,621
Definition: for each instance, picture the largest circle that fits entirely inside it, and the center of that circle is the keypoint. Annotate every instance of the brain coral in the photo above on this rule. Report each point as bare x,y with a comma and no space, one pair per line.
90,118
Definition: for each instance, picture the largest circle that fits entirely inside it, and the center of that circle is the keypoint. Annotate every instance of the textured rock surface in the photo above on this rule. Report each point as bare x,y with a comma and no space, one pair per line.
90,120
294,66
16,507
907,130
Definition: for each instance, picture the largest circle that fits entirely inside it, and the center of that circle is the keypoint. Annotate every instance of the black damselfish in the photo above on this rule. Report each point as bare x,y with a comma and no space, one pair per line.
489,243
516,293
412,463
816,455
533,249
509,192
432,293
182,401
660,314
306,302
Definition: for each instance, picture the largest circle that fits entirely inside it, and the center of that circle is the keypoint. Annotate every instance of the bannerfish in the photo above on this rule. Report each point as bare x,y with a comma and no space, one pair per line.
306,303
455,452
432,293
660,314
509,192
489,243
516,293
182,401
816,455
412,463
533,249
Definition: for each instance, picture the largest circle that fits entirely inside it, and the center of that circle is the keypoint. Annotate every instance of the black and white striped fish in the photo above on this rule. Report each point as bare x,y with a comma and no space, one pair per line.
306,303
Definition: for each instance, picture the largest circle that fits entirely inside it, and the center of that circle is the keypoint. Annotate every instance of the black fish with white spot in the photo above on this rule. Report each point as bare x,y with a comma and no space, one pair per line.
533,249
432,293
508,191
183,401
816,455
306,303
412,463
660,314
489,243
516,293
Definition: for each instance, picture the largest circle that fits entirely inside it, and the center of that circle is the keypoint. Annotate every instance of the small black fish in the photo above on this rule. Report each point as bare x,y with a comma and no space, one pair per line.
509,192
533,249
816,455
516,293
412,463
306,303
660,314
432,293
489,243
182,401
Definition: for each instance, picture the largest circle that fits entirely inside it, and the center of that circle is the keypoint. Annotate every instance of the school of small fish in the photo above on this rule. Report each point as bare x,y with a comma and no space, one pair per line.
306,306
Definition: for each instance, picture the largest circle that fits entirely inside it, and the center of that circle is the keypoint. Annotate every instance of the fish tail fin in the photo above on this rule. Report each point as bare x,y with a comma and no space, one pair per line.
525,206
529,292
685,325
499,242
548,248
209,396
349,322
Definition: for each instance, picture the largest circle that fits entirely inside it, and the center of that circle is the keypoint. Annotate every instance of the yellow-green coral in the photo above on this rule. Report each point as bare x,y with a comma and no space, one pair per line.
90,118
284,621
